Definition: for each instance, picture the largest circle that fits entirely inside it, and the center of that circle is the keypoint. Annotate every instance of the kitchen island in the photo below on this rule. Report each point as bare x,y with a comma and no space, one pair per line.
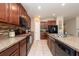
64,46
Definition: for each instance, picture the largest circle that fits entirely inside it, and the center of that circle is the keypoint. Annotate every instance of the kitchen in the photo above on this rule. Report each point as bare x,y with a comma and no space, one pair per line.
21,26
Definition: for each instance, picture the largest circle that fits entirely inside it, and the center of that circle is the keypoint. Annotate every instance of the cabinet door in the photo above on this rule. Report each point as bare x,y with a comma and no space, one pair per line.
49,42
28,20
4,12
43,35
23,48
10,50
53,46
20,10
14,14
16,53
50,22
44,25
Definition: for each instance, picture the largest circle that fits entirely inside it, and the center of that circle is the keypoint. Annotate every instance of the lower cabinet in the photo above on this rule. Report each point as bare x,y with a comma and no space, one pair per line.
43,35
54,47
19,49
23,48
51,45
16,53
11,51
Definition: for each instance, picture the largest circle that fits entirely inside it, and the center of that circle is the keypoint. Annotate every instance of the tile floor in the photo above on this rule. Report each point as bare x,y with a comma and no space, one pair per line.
40,48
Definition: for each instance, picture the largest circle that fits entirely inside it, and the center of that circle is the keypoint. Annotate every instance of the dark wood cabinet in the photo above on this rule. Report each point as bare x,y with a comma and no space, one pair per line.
43,35
48,42
10,13
16,53
44,24
51,45
52,22
14,14
55,47
10,51
4,12
28,20
21,10
23,48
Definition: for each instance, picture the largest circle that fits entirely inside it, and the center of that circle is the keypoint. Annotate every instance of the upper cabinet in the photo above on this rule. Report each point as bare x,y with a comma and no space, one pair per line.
10,13
22,11
28,20
44,25
4,12
14,14
52,22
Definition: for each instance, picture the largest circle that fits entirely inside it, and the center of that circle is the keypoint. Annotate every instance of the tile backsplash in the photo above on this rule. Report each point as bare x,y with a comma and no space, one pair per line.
5,28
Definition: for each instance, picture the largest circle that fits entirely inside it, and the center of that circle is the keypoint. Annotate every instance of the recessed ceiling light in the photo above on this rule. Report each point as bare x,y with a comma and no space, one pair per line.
39,16
63,4
39,7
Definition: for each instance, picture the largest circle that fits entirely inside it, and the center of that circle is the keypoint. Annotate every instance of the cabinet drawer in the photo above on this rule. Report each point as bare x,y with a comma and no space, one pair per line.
10,50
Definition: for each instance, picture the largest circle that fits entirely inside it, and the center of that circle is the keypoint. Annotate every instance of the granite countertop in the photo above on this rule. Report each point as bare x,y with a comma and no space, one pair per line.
71,41
6,42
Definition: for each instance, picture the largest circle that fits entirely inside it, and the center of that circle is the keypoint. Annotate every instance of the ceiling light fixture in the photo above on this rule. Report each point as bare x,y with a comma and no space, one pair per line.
39,7
39,16
63,4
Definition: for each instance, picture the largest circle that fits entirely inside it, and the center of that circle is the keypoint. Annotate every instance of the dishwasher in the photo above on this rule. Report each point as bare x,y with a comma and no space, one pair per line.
66,51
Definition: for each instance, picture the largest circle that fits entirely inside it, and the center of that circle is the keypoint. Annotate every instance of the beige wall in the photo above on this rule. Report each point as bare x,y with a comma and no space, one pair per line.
77,26
70,26
32,25
59,22
47,19
35,27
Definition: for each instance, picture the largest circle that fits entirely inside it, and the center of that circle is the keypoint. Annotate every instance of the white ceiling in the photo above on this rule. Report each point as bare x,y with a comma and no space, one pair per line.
47,9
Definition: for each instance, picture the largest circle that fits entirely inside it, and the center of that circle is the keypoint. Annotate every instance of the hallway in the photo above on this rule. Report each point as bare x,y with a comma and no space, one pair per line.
40,48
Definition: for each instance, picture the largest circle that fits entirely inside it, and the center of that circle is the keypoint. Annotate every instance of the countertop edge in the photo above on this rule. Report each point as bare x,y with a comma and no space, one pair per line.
23,36
65,43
